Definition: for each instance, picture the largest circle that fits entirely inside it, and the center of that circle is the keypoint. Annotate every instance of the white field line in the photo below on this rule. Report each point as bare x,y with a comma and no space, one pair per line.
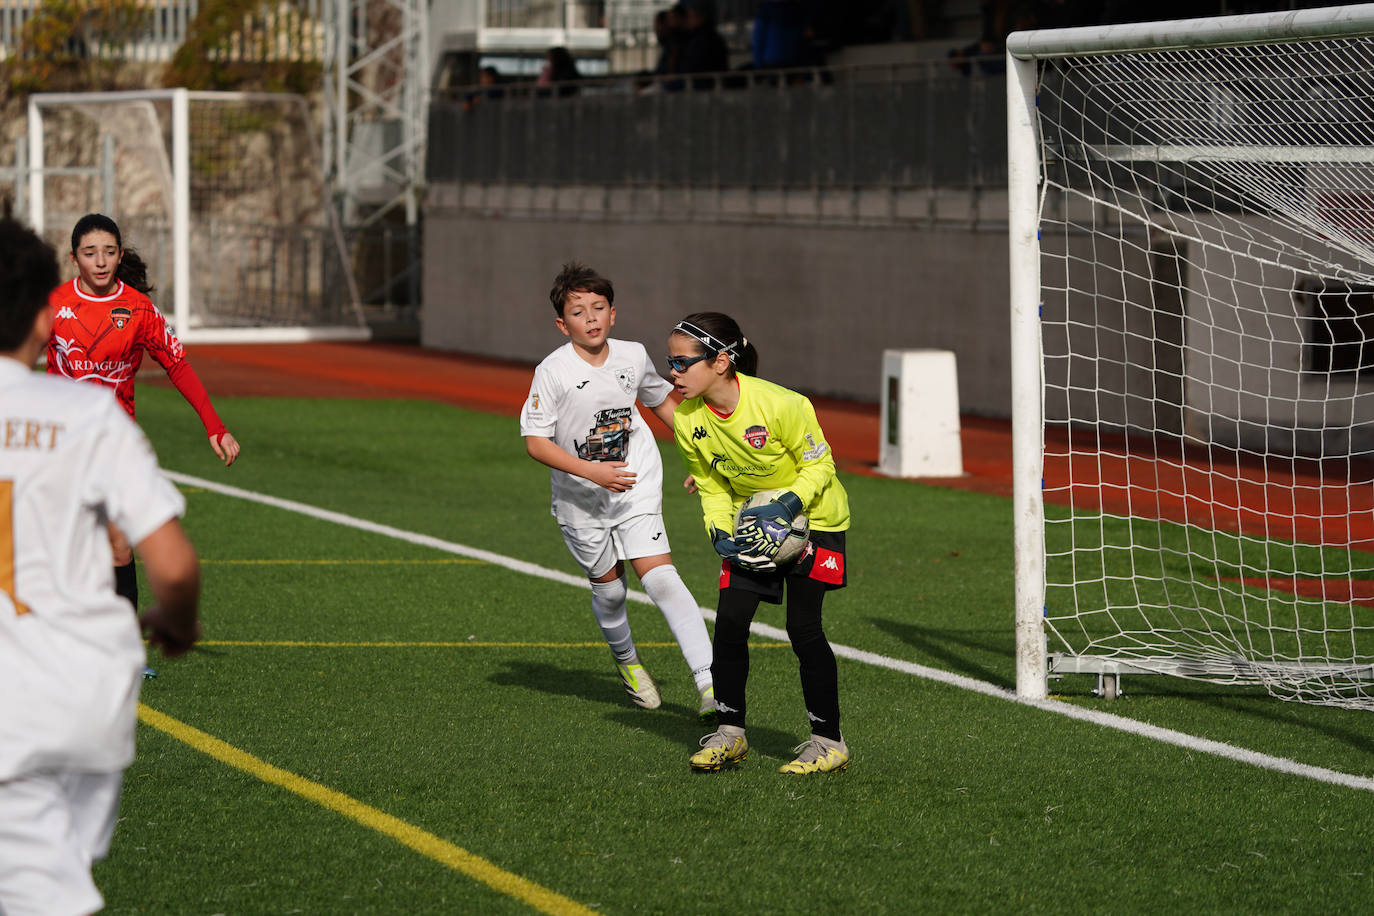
1103,719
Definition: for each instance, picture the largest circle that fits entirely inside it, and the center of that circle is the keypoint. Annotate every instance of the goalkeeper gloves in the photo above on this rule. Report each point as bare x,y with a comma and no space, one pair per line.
729,550
762,529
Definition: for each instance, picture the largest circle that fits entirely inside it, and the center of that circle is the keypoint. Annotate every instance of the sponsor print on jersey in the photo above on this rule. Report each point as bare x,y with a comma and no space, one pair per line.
119,316
727,468
627,379
170,339
757,436
609,439
814,451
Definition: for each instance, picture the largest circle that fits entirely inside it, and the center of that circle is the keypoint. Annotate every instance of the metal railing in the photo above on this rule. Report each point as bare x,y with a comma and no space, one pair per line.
902,133
287,31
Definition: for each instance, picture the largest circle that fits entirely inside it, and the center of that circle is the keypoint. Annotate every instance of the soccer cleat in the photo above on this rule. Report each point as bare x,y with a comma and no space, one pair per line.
723,747
149,673
707,711
641,688
818,755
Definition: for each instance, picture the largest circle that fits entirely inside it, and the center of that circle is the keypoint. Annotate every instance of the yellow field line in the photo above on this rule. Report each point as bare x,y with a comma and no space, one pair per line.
423,842
447,561
307,644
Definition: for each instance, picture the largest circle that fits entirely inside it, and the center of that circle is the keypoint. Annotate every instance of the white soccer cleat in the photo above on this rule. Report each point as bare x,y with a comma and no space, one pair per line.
641,688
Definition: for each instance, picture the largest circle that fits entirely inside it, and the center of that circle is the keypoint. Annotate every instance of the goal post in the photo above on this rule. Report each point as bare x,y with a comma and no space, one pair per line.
1191,220
221,193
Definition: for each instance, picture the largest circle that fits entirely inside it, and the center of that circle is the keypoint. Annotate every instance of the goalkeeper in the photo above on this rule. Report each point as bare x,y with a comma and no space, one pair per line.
739,435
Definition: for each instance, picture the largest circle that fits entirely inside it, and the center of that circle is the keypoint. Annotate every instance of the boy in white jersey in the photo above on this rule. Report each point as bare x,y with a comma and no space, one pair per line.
71,656
580,420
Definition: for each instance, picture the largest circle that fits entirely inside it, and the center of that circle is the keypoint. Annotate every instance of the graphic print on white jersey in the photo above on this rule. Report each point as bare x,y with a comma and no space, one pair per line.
609,439
627,380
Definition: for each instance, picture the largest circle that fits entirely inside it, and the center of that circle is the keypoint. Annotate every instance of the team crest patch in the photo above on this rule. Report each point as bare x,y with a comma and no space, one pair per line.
120,316
626,378
757,436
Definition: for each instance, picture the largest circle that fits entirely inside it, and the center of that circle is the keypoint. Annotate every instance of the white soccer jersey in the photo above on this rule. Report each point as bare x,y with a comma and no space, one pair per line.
71,655
590,412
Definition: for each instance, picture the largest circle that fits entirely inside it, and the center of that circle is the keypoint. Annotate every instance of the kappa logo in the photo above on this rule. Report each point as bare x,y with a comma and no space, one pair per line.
721,707
119,316
830,563
66,312
813,717
757,436
700,433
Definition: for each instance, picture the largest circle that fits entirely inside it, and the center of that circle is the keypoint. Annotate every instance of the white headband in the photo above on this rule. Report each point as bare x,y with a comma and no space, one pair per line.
709,342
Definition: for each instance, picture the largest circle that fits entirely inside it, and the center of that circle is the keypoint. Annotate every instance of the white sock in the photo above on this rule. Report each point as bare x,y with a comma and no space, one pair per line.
608,605
667,590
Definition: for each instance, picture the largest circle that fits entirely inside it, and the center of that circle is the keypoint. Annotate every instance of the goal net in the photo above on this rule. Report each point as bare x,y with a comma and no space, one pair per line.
1192,251
222,194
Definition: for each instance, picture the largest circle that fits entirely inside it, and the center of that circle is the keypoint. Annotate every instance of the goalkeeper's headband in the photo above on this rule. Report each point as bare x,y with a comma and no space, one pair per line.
709,342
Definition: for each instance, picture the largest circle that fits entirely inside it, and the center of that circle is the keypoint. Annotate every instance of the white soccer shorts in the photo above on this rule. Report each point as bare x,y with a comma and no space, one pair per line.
596,550
52,827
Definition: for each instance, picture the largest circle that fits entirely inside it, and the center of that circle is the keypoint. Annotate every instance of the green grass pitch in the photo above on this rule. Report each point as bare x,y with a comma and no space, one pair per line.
475,708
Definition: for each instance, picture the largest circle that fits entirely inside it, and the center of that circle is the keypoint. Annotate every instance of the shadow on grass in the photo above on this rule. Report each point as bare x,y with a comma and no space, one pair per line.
678,724
585,684
674,721
1273,711
949,648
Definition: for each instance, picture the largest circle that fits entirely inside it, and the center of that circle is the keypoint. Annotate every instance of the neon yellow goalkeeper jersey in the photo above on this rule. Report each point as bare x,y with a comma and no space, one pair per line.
771,441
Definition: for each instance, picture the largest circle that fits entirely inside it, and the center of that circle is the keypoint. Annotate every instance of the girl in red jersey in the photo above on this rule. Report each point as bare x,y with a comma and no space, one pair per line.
103,324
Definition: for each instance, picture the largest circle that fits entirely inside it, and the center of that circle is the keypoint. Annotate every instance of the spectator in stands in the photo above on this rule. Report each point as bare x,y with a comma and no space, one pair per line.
781,36
559,67
669,29
704,50
491,82
1000,18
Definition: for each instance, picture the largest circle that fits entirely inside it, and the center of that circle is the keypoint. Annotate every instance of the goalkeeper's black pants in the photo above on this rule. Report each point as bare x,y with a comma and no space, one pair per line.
815,658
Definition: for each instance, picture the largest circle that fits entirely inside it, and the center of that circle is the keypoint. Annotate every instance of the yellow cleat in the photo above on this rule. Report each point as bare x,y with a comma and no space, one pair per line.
641,688
722,748
818,755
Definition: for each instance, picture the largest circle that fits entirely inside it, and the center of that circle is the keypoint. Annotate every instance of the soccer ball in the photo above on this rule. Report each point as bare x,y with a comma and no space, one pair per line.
795,542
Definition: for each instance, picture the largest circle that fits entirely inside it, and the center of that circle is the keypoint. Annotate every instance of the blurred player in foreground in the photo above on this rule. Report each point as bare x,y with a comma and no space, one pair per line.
104,323
71,464
580,420
740,435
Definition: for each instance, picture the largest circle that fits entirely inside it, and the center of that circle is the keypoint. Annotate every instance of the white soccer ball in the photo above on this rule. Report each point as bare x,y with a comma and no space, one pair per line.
796,539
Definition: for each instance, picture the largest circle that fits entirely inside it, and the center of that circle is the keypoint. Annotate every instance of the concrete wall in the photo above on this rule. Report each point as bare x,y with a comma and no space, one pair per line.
1179,335
821,304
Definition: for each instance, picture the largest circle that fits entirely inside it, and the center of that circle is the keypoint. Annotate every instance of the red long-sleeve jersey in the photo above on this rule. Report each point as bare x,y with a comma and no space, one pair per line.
102,339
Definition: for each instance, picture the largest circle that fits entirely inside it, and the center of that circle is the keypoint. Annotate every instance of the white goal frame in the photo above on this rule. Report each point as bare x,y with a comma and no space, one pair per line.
180,216
1024,50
